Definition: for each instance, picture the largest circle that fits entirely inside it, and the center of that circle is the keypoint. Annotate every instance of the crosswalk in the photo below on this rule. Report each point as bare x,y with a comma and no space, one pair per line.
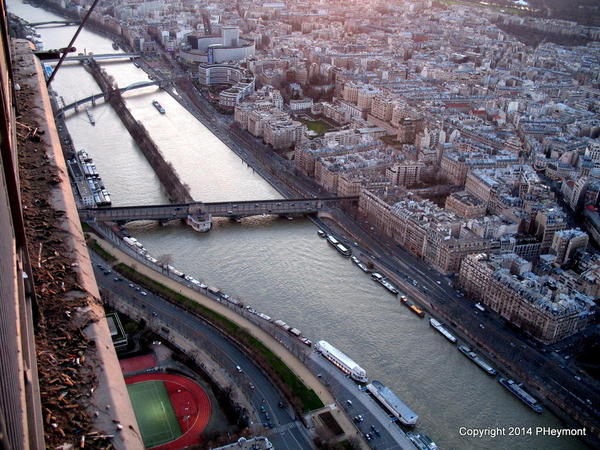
282,428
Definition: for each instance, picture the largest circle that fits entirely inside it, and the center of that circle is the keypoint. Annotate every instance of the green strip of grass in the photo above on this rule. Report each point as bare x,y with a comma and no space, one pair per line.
310,400
307,397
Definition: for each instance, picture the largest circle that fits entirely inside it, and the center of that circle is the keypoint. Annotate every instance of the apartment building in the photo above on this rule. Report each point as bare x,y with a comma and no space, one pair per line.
540,305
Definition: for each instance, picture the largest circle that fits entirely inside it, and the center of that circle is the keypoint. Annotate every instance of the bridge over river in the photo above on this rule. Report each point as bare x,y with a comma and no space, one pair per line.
101,95
204,211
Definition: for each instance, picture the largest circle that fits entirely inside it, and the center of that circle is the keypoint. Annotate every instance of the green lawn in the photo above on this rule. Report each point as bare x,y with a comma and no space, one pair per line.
318,126
154,412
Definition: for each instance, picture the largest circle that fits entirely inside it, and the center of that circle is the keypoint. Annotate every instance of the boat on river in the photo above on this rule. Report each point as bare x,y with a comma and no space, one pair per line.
158,106
477,360
521,394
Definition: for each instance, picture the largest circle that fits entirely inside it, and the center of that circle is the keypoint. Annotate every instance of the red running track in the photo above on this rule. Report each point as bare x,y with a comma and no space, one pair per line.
137,363
190,402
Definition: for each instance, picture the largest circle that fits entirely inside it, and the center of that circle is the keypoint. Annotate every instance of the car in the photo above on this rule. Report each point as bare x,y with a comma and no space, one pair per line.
262,408
203,286
107,272
577,377
252,386
144,293
349,402
131,285
267,416
368,436
280,404
482,326
239,369
154,314
355,244
137,288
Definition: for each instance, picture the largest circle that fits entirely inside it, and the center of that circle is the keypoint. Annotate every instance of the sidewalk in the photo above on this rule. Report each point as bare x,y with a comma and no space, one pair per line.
290,360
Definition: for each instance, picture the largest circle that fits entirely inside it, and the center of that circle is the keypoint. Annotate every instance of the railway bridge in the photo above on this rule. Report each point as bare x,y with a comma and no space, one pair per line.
199,215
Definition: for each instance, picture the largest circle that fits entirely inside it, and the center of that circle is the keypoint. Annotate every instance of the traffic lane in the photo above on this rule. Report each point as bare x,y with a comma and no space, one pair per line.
345,389
191,326
292,439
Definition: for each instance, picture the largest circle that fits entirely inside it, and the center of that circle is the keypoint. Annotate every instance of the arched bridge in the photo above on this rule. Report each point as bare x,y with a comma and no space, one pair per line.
93,98
163,213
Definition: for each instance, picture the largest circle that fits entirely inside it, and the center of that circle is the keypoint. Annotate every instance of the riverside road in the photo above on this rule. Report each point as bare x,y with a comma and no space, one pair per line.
292,436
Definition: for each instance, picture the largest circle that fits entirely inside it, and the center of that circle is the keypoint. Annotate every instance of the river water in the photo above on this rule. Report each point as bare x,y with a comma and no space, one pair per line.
282,267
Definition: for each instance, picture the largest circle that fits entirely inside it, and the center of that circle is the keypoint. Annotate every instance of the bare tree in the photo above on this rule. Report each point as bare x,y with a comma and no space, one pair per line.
165,261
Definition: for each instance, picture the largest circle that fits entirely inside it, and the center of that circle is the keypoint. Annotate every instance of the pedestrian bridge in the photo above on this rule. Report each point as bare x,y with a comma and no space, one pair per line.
234,210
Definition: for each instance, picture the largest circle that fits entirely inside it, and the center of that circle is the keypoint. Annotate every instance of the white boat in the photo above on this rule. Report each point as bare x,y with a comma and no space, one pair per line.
440,328
332,240
389,286
392,403
422,441
342,361
343,249
477,360
363,267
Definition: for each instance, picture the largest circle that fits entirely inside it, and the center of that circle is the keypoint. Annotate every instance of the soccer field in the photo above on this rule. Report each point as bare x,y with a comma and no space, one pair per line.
154,413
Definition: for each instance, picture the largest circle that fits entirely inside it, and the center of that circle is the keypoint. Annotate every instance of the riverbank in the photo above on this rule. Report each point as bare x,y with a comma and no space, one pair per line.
270,343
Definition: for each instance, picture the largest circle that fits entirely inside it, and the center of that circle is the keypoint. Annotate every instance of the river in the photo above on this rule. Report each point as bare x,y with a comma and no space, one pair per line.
281,266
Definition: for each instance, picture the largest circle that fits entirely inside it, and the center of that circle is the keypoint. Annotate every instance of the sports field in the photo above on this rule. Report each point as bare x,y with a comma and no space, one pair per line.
154,412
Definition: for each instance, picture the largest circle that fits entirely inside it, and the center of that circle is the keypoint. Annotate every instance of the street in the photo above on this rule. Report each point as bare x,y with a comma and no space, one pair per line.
265,395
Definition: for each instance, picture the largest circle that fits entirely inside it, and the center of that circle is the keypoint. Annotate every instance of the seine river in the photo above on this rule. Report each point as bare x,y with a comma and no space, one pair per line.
282,267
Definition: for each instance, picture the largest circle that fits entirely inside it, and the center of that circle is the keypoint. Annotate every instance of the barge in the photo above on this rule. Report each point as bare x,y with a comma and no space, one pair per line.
443,331
477,360
521,394
392,403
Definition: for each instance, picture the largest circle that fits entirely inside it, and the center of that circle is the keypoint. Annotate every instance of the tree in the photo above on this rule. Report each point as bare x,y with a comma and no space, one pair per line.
164,261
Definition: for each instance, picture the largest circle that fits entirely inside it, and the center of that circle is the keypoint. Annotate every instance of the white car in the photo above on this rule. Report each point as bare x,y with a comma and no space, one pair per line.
144,293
